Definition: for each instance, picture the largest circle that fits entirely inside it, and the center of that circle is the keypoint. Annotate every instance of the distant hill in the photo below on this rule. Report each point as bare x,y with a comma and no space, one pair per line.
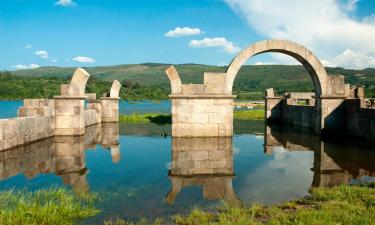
251,78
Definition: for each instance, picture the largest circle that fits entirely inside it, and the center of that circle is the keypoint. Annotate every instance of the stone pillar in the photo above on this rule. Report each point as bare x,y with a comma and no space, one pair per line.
273,105
69,115
110,109
202,115
330,116
70,106
110,103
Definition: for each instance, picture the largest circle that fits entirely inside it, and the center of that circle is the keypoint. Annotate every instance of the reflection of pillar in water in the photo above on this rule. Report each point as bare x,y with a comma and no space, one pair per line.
327,172
116,154
70,162
205,162
110,140
269,141
93,136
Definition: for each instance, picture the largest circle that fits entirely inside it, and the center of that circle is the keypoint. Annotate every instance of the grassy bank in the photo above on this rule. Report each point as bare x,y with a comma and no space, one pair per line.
256,114
338,205
52,206
146,118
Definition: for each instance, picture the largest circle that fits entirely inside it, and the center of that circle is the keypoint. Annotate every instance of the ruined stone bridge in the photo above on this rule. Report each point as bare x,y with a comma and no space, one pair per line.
64,115
206,110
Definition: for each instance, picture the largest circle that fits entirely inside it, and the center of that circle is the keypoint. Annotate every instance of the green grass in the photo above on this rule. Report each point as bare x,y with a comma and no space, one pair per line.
51,206
146,118
136,118
349,205
255,114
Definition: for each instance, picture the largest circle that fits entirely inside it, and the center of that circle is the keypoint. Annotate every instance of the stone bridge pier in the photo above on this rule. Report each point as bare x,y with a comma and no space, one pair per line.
206,110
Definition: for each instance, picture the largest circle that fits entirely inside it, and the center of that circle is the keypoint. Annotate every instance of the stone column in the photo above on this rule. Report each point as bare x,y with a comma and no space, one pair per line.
273,106
330,116
69,115
110,109
202,115
110,103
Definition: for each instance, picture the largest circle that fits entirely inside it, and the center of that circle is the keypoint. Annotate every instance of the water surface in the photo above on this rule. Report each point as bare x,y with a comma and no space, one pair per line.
138,173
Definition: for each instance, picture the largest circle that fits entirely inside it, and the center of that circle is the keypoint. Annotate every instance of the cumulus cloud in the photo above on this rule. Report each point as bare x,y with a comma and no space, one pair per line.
28,46
184,31
65,3
324,26
23,67
83,59
217,42
43,54
54,60
350,5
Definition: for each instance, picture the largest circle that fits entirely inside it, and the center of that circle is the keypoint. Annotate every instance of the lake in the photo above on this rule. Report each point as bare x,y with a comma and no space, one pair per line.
139,173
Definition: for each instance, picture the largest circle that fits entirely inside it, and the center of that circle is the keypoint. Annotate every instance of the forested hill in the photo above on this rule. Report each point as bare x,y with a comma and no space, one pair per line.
249,84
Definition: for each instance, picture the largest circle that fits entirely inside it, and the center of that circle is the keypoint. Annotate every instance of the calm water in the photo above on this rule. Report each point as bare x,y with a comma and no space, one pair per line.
138,173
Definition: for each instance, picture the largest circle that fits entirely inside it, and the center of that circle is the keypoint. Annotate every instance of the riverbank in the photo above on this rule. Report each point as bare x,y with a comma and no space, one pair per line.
50,206
338,205
256,114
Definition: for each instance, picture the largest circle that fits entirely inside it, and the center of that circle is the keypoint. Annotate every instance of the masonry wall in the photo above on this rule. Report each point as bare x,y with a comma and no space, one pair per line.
202,117
90,116
22,130
299,115
360,121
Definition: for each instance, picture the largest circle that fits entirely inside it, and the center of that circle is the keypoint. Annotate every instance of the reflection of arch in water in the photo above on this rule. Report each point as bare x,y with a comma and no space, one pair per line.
205,162
334,162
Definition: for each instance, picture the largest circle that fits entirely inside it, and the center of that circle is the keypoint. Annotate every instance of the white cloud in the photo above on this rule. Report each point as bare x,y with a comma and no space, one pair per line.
83,59
23,67
324,26
224,44
350,5
355,59
42,53
65,3
260,63
54,60
184,31
28,46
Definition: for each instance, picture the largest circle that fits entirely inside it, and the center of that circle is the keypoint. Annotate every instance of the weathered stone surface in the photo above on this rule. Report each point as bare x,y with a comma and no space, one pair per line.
205,162
62,116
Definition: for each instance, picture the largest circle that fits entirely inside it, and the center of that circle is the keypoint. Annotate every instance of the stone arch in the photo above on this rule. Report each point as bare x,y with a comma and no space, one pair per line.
115,89
174,78
78,82
298,52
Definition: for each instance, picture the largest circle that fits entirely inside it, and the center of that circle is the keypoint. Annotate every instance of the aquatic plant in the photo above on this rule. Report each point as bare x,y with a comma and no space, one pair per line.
338,205
48,206
255,114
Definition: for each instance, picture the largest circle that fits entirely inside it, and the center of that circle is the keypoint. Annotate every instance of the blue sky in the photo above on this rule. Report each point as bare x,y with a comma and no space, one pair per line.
92,33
